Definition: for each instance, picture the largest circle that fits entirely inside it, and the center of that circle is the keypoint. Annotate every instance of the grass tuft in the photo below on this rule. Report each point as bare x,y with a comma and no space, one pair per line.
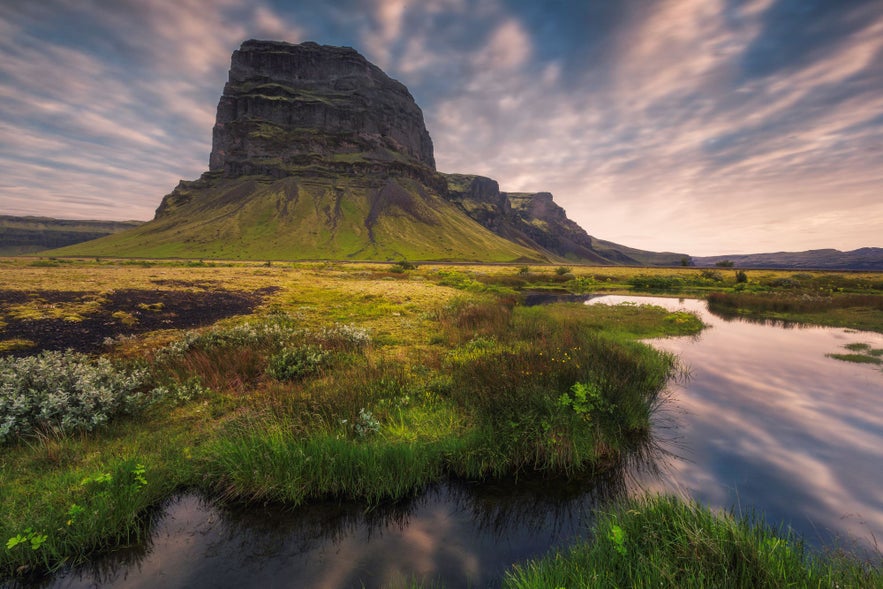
665,542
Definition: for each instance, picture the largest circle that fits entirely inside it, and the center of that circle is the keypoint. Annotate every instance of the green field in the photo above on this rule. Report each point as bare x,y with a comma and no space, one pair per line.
389,377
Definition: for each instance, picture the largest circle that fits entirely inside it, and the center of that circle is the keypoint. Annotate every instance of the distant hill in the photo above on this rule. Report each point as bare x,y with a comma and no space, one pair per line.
27,235
866,258
318,154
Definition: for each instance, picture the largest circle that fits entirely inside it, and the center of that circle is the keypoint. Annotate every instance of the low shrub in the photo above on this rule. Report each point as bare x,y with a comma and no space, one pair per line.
297,363
66,391
656,283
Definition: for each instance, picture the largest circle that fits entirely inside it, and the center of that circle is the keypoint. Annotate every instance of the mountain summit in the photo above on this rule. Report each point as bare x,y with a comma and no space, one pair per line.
318,154
288,105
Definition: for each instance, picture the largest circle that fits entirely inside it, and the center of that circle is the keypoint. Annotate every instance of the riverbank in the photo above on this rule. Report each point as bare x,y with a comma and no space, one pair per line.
388,377
665,542
351,382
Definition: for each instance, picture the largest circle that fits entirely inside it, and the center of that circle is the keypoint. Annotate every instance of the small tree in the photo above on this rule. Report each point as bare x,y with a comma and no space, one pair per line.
725,264
741,277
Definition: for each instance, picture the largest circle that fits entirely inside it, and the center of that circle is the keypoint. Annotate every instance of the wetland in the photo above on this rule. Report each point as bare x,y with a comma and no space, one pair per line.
357,424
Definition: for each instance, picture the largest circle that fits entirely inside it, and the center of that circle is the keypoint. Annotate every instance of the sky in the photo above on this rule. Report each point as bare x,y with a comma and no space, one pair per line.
696,126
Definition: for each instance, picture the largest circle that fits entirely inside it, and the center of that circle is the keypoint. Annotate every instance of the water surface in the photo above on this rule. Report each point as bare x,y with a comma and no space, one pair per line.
765,422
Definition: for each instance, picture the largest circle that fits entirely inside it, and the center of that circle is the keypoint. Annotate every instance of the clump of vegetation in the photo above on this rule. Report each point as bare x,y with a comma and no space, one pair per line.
297,363
66,391
402,266
711,275
859,311
665,542
861,353
657,283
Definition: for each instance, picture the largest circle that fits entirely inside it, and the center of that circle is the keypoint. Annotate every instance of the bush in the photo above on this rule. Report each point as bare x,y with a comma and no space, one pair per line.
657,283
297,363
402,266
712,275
66,391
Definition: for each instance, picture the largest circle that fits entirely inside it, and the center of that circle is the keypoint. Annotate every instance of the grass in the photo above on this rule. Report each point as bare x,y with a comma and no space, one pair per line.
351,382
860,353
854,311
665,542
303,220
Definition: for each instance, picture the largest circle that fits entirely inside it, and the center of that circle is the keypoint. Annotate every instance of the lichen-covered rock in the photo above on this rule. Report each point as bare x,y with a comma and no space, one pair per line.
287,107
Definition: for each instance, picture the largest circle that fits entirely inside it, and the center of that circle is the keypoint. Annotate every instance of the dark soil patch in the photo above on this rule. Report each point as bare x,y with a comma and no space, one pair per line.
146,310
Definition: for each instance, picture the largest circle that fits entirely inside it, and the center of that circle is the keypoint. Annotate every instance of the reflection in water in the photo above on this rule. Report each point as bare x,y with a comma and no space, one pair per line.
767,422
459,533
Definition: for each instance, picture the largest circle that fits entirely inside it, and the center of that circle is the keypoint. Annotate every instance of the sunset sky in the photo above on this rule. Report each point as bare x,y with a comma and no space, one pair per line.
697,126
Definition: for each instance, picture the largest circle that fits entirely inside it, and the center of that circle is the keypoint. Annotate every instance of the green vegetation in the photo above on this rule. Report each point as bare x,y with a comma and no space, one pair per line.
861,354
351,382
24,235
388,377
664,542
305,218
855,311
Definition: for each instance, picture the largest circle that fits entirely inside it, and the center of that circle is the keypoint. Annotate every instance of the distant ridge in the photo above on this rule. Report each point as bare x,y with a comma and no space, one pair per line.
27,235
318,154
866,258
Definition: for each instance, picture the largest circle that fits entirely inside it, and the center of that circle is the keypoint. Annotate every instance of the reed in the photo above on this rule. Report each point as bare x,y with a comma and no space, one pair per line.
665,542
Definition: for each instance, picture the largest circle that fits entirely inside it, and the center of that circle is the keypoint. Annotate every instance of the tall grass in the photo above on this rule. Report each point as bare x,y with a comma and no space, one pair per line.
270,411
78,513
273,464
791,302
664,542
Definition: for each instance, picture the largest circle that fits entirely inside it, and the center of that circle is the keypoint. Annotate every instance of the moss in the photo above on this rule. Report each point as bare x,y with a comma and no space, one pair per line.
12,345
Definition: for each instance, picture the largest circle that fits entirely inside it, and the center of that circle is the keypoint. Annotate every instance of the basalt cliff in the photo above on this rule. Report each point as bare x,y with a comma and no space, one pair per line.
318,154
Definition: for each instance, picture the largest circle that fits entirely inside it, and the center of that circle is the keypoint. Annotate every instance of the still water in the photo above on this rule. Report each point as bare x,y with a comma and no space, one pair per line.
764,422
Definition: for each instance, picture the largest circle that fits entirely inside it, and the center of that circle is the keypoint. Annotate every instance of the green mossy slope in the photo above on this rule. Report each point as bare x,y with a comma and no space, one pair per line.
293,218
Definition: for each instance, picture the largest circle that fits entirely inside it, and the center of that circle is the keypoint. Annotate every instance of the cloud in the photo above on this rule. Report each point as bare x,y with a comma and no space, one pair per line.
691,125
104,125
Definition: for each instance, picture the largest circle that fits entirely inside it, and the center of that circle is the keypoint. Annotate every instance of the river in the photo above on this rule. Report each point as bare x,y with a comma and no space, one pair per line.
765,423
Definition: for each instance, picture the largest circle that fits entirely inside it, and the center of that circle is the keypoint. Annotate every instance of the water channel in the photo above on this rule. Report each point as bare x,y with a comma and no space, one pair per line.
765,421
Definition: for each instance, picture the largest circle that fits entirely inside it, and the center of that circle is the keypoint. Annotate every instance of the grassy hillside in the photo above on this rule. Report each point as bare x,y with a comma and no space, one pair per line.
643,257
308,218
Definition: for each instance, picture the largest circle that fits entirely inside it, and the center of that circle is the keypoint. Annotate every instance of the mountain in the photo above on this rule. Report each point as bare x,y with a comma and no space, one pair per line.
27,235
318,154
866,258
536,221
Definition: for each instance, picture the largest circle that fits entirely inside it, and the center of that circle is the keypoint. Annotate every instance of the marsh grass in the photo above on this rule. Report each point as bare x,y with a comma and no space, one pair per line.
860,353
273,463
382,415
665,542
856,311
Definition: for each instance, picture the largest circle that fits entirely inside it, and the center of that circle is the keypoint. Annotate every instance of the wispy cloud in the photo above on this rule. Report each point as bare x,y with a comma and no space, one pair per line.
690,125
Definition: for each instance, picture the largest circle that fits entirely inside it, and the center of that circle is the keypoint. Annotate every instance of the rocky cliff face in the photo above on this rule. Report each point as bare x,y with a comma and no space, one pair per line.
317,154
536,221
289,106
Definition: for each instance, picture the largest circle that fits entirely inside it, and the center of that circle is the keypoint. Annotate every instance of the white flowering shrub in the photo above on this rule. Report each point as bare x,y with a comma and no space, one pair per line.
277,331
66,391
345,337
272,331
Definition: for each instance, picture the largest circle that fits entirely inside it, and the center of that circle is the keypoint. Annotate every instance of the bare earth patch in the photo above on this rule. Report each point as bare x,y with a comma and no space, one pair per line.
121,312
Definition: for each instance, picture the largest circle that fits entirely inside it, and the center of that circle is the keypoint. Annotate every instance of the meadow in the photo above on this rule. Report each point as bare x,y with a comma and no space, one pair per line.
125,382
